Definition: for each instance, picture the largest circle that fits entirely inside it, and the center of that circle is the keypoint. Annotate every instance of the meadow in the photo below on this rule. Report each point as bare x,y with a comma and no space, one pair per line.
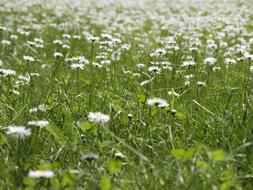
132,95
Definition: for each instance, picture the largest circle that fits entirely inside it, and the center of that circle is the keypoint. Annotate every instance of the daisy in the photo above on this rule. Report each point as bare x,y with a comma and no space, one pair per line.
210,61
77,66
28,58
229,61
18,131
188,63
98,117
58,54
7,72
90,156
41,174
157,102
41,123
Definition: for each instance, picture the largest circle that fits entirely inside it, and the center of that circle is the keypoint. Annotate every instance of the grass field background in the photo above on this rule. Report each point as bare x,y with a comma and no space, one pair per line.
126,94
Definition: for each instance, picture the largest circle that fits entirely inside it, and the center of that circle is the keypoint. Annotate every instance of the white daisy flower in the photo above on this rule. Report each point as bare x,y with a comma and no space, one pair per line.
41,123
188,63
41,174
98,117
18,131
77,66
157,102
28,58
58,54
7,72
229,61
210,61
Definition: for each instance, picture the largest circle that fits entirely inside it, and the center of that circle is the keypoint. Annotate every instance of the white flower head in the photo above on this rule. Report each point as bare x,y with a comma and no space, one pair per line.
28,58
58,54
41,123
229,61
154,69
210,61
7,72
18,131
41,174
157,102
188,63
77,66
90,156
98,117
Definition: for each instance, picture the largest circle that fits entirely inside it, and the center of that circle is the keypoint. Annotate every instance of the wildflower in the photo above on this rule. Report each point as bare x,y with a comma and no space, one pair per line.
97,65
130,116
77,66
119,155
93,39
145,82
210,61
76,37
188,77
187,83
247,55
158,52
175,94
58,42
42,108
65,46
188,63
41,174
98,117
215,68
58,54
83,60
136,74
18,131
66,36
28,58
33,110
140,66
90,156
201,83
105,62
116,56
7,72
229,61
154,69
6,42
41,123
157,102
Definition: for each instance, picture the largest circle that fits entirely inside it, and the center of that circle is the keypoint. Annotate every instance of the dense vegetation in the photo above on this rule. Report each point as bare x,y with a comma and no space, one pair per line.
126,94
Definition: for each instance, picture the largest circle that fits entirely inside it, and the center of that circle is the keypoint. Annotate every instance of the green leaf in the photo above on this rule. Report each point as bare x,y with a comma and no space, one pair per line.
179,153
154,111
55,183
105,183
180,115
57,134
86,126
217,155
29,182
201,165
141,98
124,118
2,140
114,166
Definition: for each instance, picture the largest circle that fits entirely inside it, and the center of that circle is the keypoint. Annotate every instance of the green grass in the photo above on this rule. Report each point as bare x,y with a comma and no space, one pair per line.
202,140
